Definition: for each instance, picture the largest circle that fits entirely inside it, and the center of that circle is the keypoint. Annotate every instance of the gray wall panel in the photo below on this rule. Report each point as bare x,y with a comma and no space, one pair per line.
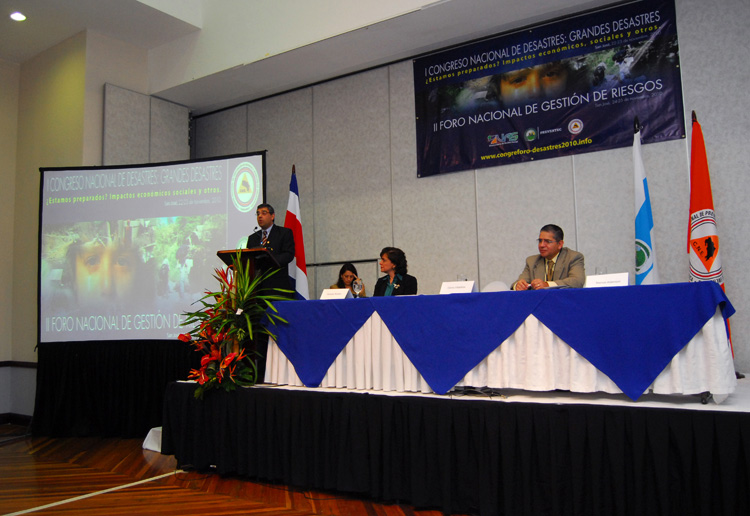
514,201
169,131
222,133
283,126
353,190
126,126
605,204
667,172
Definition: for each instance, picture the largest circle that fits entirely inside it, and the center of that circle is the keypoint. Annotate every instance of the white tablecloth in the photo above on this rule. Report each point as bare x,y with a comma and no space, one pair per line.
532,358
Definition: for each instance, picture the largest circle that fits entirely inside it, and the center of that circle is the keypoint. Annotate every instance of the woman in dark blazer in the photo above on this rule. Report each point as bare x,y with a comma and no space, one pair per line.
395,282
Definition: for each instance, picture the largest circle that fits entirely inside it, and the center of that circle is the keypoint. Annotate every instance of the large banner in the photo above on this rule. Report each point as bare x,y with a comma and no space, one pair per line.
568,87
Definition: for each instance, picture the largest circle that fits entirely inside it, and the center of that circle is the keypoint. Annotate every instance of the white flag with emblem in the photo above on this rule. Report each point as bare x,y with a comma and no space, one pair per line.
646,272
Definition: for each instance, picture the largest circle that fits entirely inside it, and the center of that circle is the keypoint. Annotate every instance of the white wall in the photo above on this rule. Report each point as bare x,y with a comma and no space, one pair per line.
108,61
53,106
238,32
10,74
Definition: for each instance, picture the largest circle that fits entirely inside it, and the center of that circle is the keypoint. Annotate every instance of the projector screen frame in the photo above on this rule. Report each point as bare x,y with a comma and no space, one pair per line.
173,201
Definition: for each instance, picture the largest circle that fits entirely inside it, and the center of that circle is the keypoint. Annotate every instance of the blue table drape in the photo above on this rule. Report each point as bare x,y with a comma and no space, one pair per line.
628,333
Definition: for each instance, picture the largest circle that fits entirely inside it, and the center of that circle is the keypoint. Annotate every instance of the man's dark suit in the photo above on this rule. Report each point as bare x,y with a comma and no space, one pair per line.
281,245
569,269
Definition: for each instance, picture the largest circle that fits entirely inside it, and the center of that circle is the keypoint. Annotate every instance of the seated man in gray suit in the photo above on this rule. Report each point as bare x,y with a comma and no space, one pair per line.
554,266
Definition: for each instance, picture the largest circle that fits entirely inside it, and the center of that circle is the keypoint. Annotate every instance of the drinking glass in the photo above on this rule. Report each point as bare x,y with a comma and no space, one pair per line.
357,286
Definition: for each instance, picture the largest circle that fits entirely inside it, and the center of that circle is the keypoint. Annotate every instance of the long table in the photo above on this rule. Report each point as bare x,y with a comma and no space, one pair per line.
670,339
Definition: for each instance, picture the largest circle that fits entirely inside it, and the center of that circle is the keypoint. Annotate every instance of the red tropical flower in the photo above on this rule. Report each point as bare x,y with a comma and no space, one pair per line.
213,356
228,360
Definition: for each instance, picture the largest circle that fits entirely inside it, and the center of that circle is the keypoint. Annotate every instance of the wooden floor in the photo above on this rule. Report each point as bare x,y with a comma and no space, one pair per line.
95,476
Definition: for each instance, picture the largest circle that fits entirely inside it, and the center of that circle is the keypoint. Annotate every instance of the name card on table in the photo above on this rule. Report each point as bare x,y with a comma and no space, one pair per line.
458,287
619,279
336,293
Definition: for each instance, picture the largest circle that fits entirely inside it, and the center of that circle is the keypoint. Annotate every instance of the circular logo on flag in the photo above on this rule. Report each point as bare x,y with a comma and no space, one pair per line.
575,126
530,135
245,187
644,257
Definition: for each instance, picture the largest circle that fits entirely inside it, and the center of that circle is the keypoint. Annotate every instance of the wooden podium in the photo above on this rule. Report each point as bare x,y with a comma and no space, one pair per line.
259,258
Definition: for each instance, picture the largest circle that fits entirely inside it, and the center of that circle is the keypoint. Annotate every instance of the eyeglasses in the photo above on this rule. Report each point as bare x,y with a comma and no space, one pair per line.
262,212
546,241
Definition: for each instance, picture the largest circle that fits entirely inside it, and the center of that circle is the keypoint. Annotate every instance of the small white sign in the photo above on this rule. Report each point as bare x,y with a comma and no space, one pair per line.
458,287
336,293
618,279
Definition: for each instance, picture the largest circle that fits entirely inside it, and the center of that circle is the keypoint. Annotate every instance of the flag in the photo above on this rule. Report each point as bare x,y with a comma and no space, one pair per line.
703,238
293,221
646,272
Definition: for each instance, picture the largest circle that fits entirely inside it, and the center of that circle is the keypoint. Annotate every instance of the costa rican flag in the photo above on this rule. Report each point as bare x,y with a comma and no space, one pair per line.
293,221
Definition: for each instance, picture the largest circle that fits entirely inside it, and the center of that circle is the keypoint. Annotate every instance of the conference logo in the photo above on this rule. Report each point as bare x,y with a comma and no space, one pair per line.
706,248
531,134
644,257
497,140
575,126
245,187
705,263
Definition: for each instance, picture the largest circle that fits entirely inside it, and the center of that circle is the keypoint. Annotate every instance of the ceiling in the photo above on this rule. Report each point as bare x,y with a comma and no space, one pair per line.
437,25
51,21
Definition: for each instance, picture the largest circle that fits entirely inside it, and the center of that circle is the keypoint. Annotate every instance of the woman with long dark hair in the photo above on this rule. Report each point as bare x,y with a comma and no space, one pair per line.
347,278
396,281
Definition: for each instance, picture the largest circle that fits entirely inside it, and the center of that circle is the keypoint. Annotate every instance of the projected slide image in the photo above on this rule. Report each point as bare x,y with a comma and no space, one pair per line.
125,251
125,276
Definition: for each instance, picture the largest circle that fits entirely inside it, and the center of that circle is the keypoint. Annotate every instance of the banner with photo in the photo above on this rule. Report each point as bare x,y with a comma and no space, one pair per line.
563,88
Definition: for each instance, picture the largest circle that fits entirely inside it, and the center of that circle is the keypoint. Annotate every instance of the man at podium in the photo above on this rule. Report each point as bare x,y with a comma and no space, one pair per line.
280,243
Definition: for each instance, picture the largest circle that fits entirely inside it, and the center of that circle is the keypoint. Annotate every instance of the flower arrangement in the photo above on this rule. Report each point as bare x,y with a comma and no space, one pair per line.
226,324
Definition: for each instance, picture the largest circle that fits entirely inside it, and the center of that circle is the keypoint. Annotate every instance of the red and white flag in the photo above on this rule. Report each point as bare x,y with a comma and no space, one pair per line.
703,236
293,221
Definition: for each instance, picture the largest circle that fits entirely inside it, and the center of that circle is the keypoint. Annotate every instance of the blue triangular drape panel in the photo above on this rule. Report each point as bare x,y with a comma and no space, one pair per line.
628,333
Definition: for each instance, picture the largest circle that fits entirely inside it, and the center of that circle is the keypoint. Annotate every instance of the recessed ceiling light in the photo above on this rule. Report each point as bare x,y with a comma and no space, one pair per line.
18,16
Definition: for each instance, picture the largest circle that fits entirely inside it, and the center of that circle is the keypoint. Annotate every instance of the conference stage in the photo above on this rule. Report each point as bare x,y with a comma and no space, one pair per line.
483,449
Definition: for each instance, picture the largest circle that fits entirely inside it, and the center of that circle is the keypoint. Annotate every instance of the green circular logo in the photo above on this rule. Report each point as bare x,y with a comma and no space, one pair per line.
643,257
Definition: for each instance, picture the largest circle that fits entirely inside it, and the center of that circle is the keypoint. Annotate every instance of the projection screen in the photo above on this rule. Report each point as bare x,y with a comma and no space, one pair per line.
124,251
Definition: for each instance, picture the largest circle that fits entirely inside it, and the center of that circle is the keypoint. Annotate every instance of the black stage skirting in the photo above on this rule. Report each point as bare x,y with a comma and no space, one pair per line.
106,389
469,456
